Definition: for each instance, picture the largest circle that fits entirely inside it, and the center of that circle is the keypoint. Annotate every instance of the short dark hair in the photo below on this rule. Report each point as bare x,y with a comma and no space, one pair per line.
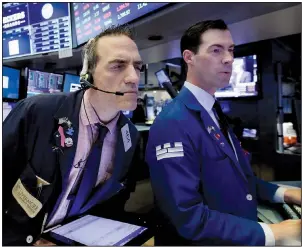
191,39
90,47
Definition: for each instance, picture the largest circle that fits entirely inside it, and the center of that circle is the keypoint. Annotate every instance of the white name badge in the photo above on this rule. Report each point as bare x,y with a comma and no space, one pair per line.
29,203
126,137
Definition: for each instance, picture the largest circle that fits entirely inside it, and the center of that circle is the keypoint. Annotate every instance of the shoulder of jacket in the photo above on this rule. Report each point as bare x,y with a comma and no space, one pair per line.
44,102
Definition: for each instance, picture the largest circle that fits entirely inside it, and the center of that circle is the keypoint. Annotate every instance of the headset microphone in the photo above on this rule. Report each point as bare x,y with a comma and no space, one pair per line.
86,84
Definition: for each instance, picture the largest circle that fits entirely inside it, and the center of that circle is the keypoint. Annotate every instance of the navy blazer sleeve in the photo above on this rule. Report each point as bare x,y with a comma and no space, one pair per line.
265,190
175,182
15,135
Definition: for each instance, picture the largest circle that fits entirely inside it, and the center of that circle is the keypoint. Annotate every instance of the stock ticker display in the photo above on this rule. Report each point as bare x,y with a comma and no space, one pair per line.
34,28
91,18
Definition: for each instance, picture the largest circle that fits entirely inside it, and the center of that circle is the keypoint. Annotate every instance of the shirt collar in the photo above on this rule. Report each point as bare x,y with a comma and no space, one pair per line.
203,97
92,116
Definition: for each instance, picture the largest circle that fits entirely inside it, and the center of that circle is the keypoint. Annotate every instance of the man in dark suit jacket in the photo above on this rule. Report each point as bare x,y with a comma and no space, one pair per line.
47,141
202,180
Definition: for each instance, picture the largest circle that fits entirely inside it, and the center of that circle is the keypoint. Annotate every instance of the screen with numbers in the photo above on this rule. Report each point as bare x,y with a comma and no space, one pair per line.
91,18
34,28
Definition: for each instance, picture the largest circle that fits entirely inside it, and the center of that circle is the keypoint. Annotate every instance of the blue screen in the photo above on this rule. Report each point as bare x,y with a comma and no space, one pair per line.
71,83
10,82
43,82
91,18
33,28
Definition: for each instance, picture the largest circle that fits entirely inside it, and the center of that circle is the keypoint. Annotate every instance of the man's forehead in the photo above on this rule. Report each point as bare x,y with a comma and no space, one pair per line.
217,36
119,47
118,41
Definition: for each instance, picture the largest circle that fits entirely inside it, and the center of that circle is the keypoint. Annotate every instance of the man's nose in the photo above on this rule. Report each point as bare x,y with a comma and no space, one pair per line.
228,58
133,75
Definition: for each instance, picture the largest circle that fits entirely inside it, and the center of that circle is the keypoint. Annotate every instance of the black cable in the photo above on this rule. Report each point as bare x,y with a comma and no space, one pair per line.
78,164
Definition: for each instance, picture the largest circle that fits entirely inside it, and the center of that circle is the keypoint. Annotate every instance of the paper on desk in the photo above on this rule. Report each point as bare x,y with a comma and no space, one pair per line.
93,230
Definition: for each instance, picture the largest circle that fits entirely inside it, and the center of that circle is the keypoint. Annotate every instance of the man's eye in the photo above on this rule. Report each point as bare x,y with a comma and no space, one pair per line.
117,66
217,50
139,68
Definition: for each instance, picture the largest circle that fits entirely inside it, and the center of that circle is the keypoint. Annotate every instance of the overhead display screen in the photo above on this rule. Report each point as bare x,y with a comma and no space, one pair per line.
34,28
91,18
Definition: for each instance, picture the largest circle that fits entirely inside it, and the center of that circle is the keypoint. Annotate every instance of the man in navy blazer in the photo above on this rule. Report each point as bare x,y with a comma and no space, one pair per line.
202,180
47,141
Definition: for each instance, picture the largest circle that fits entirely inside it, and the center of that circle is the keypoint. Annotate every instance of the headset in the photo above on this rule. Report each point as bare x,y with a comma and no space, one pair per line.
86,79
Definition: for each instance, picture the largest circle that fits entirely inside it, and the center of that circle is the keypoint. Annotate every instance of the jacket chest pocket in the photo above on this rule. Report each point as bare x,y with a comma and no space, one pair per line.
29,195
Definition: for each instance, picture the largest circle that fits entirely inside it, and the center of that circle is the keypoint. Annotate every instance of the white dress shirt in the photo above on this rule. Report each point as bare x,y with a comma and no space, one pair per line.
207,101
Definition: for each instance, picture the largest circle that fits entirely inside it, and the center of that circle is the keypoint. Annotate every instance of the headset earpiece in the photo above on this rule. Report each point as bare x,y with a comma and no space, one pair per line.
87,82
86,79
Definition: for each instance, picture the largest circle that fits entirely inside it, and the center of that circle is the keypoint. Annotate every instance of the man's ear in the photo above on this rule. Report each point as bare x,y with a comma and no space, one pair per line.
188,56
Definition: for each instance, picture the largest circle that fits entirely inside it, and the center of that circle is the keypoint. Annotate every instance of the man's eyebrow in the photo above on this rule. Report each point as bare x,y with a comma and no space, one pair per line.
138,62
221,46
117,61
123,61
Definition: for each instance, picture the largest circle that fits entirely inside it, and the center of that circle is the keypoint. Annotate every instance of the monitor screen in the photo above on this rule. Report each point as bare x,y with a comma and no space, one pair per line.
244,81
43,82
10,83
91,18
71,83
33,28
162,77
249,133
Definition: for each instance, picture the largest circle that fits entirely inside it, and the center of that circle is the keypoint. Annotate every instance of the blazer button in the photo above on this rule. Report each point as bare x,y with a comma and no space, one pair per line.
29,239
249,197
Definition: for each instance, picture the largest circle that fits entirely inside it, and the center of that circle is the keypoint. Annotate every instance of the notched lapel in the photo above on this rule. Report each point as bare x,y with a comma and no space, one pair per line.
219,138
70,109
122,157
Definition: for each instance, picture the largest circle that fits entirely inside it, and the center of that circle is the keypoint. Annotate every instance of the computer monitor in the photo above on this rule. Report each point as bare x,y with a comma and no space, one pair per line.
10,83
71,83
43,82
35,28
244,81
165,82
249,133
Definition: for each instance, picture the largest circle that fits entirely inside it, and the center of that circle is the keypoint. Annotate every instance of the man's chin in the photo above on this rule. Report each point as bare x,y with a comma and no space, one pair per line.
223,84
128,106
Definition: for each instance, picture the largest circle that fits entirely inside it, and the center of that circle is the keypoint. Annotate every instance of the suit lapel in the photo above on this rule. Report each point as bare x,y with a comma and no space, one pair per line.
121,163
242,156
211,128
219,138
70,109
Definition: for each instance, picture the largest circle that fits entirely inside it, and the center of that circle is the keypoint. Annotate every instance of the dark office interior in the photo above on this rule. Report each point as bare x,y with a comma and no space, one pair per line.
266,34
